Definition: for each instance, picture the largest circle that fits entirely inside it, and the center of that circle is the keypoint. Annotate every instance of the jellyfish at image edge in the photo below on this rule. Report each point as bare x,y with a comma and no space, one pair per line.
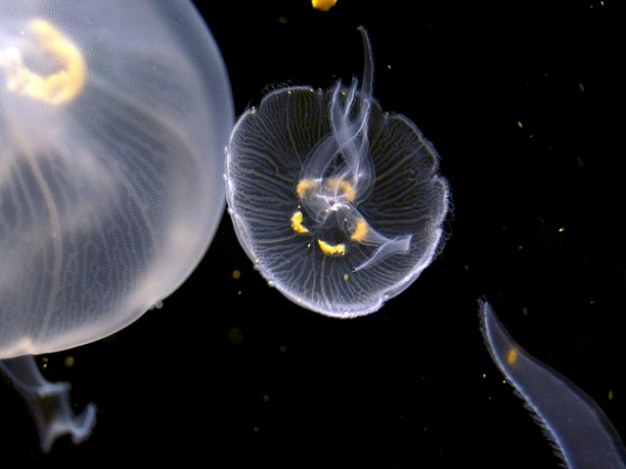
339,205
581,434
113,120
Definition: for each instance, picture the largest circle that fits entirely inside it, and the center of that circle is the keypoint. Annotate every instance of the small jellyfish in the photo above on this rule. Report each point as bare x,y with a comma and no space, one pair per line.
582,435
338,204
113,120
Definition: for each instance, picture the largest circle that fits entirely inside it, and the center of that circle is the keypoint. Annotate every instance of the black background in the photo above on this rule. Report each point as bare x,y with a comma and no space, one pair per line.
524,102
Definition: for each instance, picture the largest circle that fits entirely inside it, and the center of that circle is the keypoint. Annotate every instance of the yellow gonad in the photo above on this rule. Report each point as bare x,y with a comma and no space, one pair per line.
347,189
306,185
296,223
57,88
511,357
323,5
332,249
360,231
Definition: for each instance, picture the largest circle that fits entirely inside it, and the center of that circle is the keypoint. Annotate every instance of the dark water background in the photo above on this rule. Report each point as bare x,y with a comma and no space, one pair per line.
524,101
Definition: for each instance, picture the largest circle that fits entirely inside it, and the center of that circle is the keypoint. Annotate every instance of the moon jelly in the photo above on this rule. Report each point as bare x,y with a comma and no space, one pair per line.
113,120
580,433
338,204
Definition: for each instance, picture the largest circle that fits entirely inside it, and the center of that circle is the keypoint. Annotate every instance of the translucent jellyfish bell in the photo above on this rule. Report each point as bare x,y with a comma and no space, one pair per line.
113,120
579,431
338,203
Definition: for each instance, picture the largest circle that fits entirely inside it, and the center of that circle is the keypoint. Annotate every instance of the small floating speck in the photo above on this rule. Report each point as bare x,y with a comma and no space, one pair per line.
235,335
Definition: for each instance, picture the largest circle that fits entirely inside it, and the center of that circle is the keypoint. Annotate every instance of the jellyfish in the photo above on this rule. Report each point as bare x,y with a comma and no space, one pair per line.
582,435
338,204
113,120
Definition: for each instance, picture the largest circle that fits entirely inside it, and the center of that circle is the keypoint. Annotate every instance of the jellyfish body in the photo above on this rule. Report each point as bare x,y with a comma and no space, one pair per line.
113,120
337,203
582,434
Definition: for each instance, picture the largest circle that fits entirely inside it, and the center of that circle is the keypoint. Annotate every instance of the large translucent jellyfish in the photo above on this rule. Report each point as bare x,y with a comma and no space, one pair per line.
338,204
582,435
113,120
